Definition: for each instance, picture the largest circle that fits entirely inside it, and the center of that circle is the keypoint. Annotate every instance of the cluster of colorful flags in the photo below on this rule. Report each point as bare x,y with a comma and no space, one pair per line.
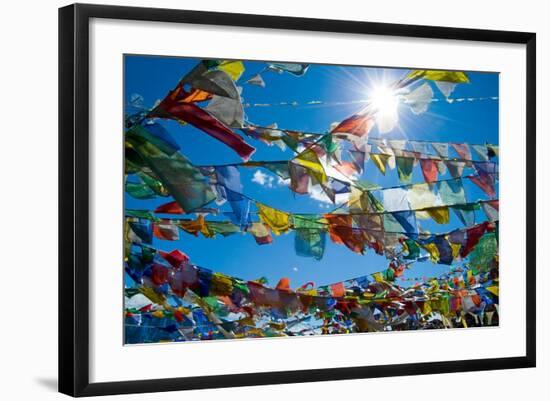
170,299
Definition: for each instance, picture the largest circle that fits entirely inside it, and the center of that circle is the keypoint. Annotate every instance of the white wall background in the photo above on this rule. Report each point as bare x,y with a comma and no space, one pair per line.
28,197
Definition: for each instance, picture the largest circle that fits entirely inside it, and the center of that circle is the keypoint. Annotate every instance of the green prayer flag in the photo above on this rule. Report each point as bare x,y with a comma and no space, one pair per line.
404,168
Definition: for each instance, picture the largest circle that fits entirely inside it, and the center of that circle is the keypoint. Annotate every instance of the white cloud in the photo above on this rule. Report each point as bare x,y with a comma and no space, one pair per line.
263,179
268,181
295,269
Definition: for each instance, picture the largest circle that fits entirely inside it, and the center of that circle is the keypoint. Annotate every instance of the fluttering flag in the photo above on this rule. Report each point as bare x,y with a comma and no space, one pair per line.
170,208
309,160
261,233
404,168
166,230
439,214
482,151
429,169
194,227
342,232
228,111
466,213
358,125
491,210
194,115
310,236
439,75
184,182
276,220
233,68
463,150
419,99
214,82
442,149
294,69
380,160
256,80
451,192
485,182
456,168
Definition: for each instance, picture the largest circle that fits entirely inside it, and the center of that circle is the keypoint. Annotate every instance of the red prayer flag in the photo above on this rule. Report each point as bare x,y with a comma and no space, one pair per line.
175,108
342,232
473,235
175,258
338,290
485,182
357,124
170,208
463,150
429,169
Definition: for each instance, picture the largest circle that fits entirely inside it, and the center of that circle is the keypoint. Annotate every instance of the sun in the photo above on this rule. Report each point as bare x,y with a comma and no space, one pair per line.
384,103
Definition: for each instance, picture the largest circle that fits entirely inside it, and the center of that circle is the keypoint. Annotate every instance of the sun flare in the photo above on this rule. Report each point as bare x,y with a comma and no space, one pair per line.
384,102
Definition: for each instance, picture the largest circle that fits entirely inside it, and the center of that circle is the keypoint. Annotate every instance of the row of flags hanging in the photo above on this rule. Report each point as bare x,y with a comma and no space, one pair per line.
169,298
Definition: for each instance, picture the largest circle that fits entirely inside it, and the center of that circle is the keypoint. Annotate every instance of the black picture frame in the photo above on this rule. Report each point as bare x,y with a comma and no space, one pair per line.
74,198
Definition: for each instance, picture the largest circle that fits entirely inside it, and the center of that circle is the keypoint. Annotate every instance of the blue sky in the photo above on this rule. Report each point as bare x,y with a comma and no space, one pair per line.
239,255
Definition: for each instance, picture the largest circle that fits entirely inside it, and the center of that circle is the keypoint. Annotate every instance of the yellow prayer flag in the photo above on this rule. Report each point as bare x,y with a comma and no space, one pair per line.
433,251
309,160
380,160
233,68
493,289
457,77
427,309
455,249
422,215
278,221
378,277
152,295
439,214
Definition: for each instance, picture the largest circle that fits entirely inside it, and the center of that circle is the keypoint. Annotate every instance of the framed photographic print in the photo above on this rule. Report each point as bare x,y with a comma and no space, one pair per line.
250,199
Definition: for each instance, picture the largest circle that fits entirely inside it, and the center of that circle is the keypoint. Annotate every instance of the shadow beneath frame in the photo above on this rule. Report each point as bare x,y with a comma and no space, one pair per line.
49,383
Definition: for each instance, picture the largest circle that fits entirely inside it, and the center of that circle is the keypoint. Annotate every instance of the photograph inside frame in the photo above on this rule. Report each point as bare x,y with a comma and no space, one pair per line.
276,199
